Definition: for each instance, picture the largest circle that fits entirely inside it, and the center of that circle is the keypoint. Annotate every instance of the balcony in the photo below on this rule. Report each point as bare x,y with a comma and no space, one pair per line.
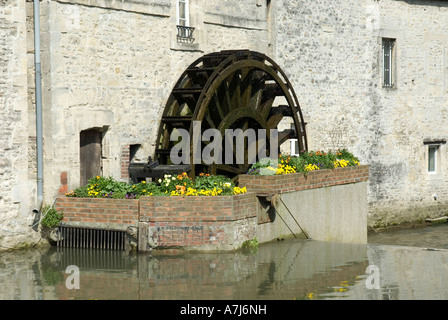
185,34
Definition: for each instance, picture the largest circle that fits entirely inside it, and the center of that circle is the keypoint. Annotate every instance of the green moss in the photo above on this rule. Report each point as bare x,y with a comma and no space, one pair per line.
250,245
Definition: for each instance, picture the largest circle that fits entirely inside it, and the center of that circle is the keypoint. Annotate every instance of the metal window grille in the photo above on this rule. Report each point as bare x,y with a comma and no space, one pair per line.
185,34
388,45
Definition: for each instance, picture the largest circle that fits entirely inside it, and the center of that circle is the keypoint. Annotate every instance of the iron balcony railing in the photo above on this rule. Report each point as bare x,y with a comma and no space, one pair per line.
185,34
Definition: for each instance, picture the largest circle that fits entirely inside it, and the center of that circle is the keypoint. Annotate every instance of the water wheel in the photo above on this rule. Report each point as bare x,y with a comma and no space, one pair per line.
229,90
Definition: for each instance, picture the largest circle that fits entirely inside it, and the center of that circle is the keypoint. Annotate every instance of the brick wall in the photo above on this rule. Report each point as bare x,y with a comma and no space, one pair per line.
177,221
299,181
98,213
214,222
199,208
124,162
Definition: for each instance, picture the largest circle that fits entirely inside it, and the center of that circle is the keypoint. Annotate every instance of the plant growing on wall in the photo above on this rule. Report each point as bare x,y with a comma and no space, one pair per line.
51,217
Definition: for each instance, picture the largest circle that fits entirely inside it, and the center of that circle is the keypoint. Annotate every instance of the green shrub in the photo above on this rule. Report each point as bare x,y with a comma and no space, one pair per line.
170,185
51,217
305,162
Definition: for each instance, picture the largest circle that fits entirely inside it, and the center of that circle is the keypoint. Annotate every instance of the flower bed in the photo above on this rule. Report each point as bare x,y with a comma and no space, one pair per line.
212,213
305,162
309,170
170,185
276,184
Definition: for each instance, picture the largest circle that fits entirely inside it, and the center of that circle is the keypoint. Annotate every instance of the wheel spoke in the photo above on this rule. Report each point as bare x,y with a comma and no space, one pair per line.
209,120
236,89
227,95
246,86
218,105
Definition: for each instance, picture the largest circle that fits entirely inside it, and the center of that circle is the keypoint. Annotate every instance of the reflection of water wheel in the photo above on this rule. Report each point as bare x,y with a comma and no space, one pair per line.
229,90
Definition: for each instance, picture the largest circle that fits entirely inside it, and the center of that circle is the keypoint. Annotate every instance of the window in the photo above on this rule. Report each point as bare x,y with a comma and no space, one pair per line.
435,158
388,62
183,14
184,31
294,144
432,158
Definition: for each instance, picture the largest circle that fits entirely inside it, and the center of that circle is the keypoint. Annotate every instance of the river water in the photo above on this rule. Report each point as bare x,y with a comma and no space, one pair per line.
404,264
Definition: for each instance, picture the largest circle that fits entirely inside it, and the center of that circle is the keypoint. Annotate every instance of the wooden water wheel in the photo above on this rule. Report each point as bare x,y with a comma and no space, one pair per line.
229,90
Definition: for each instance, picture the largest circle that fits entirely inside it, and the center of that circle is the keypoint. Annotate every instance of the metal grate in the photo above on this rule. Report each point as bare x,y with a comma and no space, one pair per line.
76,237
185,34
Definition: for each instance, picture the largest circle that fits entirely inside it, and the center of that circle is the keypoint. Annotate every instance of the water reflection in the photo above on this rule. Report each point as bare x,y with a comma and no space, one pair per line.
292,269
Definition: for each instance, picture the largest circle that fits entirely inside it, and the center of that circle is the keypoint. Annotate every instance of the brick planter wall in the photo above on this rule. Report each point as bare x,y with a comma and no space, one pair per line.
114,214
225,222
298,181
213,223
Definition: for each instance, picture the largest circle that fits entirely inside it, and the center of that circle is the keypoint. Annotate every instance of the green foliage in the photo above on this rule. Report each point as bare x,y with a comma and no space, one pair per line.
51,217
209,182
170,185
307,161
250,246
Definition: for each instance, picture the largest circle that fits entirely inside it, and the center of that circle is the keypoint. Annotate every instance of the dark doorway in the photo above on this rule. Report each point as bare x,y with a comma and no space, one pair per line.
90,154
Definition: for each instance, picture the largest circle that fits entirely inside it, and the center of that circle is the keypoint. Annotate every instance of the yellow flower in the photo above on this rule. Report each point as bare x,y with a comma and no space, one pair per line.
238,190
311,167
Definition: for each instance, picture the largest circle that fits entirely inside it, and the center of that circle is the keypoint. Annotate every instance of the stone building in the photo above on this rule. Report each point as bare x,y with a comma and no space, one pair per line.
370,76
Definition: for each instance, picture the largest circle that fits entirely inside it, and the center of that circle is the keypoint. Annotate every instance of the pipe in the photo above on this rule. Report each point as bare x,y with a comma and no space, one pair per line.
38,84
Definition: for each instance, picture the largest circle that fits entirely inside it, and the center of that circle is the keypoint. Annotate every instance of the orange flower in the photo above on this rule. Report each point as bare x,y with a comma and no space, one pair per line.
201,174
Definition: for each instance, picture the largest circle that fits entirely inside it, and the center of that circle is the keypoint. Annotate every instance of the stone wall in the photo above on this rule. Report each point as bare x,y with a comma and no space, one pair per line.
17,191
332,53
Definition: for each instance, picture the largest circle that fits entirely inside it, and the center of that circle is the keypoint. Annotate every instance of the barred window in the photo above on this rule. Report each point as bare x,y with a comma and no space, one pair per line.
388,63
